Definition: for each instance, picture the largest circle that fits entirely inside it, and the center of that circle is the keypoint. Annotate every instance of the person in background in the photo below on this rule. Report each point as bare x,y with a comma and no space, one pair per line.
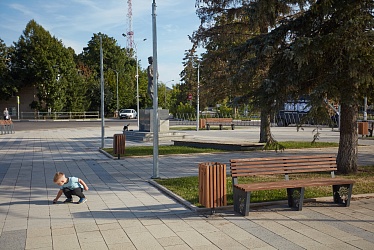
6,114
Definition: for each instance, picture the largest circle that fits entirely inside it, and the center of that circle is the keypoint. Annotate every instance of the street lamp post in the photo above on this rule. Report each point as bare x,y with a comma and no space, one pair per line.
137,87
137,80
102,94
155,95
117,92
198,98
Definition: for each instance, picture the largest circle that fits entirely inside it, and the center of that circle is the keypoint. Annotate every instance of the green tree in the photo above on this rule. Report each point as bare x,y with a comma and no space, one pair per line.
42,61
116,59
7,87
328,53
226,26
174,94
323,49
188,77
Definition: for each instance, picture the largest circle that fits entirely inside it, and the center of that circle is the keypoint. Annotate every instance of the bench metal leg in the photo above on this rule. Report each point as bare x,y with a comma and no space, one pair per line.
232,126
208,127
242,201
342,194
295,198
220,126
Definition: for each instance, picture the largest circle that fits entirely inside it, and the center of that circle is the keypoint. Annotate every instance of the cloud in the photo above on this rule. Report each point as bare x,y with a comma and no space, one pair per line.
23,9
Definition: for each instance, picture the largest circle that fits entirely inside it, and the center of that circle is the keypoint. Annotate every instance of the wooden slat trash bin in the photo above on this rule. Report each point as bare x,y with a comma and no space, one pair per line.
212,185
119,142
363,128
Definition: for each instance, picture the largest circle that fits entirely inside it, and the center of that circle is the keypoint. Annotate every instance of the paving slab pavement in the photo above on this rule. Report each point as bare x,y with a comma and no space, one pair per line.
124,211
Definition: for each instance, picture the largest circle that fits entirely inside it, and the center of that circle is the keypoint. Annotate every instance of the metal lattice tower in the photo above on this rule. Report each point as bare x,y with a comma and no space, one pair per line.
130,32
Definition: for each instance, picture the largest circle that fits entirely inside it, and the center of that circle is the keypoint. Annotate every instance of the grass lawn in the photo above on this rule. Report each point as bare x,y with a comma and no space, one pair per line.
188,187
162,150
165,150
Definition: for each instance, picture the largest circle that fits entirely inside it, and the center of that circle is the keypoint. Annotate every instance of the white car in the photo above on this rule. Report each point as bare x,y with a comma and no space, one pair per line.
127,114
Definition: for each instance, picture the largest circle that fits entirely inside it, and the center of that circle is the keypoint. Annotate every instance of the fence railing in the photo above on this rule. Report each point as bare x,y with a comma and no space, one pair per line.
254,120
60,115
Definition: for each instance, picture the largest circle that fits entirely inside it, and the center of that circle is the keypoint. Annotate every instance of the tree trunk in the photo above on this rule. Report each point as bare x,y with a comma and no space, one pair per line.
265,134
347,154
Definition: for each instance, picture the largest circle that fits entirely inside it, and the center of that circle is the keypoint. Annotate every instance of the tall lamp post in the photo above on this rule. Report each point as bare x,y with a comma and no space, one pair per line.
198,98
165,91
137,80
102,93
117,92
155,94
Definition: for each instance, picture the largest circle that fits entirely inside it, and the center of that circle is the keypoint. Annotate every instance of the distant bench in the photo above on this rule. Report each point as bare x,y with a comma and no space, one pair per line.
218,121
341,188
6,127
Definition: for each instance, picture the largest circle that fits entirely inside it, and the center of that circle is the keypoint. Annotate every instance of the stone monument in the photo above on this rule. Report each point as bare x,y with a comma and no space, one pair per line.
146,115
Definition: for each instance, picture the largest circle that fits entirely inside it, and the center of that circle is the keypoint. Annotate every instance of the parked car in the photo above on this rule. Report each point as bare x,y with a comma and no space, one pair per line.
127,114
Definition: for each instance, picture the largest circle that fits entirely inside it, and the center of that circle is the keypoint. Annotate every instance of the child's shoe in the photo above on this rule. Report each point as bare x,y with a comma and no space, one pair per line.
68,200
82,200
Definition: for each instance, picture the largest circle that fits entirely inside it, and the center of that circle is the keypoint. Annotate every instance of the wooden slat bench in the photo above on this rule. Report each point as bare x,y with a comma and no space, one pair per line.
220,122
287,165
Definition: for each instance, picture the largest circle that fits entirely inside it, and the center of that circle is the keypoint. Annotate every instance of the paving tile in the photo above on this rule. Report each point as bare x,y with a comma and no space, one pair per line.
38,242
178,226
132,226
144,241
171,241
202,226
194,239
362,244
39,232
160,231
115,236
109,226
15,224
90,236
97,245
123,246
86,227
177,247
63,231
15,240
240,235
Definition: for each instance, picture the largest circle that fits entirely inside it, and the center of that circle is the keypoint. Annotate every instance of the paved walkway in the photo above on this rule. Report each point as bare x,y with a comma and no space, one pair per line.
124,211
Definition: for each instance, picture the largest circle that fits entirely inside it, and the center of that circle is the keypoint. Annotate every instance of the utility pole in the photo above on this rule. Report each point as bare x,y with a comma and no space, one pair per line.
102,93
137,80
117,111
198,98
155,95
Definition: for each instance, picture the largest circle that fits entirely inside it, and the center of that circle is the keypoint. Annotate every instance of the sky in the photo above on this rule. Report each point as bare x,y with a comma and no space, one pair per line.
75,21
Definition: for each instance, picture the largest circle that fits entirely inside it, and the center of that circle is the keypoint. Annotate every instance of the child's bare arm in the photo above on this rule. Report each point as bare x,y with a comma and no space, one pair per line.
58,196
85,187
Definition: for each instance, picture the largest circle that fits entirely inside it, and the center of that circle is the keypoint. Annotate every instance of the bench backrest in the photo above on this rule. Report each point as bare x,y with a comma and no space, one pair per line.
282,165
218,120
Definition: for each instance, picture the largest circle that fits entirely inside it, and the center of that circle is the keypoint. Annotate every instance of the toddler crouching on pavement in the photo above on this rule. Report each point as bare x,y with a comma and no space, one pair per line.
70,186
